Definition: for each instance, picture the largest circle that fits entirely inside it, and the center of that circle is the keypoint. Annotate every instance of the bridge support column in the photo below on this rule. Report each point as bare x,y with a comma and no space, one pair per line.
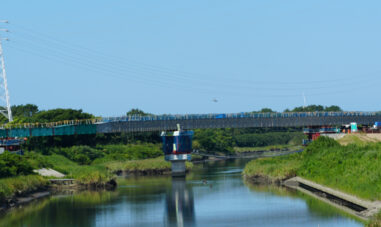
178,163
178,168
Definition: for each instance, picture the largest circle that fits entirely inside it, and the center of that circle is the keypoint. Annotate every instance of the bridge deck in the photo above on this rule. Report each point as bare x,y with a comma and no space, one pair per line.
163,123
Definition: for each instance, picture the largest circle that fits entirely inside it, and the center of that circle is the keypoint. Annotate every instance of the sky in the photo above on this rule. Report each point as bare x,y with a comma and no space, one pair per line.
106,57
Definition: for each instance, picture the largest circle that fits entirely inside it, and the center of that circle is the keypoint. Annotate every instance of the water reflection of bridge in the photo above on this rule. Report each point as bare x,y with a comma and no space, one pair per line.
179,204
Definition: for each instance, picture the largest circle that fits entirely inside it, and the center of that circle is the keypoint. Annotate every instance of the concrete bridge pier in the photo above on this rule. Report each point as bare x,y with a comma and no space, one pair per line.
178,163
178,168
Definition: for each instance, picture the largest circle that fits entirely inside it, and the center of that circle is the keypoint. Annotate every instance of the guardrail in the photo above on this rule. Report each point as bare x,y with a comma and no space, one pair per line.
52,124
238,115
135,118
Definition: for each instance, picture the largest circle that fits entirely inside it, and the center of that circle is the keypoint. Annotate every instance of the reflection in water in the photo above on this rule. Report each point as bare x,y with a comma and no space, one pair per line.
213,191
60,211
179,204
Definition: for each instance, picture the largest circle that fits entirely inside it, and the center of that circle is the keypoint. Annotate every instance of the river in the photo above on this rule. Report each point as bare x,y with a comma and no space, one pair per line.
213,194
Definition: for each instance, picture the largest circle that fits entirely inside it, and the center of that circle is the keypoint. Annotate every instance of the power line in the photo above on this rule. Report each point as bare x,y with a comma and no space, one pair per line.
158,77
164,70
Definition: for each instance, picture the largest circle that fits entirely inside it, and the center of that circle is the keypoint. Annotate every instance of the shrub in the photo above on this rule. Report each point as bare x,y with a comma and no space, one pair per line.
83,155
322,142
13,164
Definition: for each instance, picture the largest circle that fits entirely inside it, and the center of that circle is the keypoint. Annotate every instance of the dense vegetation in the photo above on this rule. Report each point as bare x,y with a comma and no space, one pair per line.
310,108
353,168
225,140
30,113
20,184
315,108
139,112
14,165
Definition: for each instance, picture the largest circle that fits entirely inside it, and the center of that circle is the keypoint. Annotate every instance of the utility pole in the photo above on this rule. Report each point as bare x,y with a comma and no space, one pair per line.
4,94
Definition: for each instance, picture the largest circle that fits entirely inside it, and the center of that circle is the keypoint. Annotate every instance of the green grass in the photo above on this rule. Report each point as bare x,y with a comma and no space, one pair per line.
85,174
275,169
100,171
266,148
124,152
375,221
20,184
354,169
153,164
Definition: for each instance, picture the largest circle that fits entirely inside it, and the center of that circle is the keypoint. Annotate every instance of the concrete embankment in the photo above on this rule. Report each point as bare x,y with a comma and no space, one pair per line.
351,204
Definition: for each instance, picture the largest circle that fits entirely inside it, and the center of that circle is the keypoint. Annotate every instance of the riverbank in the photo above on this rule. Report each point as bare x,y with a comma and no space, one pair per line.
154,166
21,189
101,174
353,169
211,191
88,167
284,147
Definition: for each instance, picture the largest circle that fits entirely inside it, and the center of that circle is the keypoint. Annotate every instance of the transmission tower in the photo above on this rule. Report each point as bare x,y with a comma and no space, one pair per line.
5,105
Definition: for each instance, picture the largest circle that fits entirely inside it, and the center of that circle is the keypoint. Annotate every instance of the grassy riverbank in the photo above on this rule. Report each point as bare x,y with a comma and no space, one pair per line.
147,166
84,174
89,166
20,185
354,168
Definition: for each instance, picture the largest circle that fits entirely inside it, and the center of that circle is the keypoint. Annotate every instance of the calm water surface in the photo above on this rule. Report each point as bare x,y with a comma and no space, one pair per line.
214,194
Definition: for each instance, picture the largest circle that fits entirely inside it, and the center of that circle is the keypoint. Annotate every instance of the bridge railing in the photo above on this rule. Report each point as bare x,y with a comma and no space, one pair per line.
52,124
186,117
237,115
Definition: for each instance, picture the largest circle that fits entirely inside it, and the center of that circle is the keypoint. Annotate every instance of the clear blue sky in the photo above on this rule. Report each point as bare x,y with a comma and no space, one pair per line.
107,57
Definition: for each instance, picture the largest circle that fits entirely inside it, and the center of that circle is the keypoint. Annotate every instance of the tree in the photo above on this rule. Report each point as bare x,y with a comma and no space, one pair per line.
213,140
27,110
333,108
137,112
315,108
14,165
60,115
265,110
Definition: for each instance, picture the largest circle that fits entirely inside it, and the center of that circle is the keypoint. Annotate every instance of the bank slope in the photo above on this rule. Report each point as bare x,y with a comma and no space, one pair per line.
354,168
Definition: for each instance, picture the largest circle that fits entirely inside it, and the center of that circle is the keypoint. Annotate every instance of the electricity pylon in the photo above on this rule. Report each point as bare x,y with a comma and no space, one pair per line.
5,105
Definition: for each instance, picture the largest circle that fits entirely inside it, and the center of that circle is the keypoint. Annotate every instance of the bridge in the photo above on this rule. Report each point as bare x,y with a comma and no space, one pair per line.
192,121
